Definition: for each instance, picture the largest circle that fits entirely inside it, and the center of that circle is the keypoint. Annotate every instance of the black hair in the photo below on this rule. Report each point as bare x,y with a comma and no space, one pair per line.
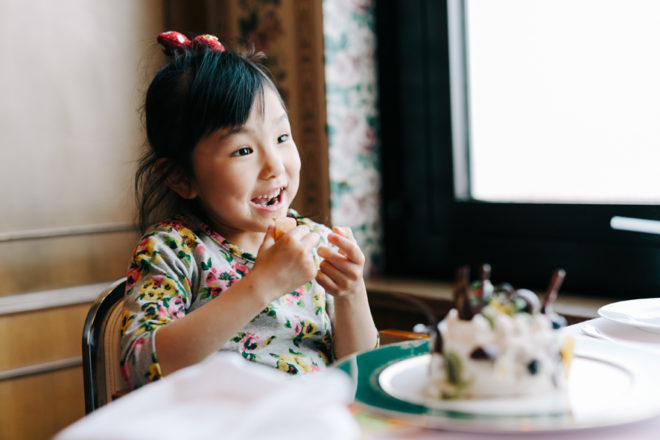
199,91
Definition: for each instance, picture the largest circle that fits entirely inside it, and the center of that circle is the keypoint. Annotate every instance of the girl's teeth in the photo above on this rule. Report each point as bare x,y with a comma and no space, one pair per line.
265,200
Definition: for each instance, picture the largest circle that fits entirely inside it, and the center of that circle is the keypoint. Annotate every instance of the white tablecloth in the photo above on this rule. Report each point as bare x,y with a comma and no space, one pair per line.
227,397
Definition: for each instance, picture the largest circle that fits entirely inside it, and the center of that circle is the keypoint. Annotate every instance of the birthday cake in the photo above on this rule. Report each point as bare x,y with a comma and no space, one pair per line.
498,341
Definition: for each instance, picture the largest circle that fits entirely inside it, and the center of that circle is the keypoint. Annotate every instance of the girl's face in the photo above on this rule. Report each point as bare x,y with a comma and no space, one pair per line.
245,177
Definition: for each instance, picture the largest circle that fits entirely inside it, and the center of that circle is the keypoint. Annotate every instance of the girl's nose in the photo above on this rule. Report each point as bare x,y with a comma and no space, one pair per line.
273,164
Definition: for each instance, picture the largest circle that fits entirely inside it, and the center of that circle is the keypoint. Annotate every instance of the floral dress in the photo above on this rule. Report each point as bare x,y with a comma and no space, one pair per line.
182,264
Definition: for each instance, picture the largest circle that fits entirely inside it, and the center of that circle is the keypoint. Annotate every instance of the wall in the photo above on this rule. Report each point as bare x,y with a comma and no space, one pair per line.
72,80
71,87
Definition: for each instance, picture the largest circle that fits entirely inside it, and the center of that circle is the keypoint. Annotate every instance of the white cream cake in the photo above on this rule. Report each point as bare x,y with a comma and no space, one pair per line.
499,342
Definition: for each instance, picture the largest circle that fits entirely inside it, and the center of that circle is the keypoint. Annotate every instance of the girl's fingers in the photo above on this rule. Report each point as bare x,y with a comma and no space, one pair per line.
346,236
339,276
327,283
343,230
341,266
299,231
348,248
269,240
300,236
311,239
332,257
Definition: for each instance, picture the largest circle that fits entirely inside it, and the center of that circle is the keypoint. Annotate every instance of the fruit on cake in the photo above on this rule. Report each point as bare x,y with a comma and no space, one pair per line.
498,341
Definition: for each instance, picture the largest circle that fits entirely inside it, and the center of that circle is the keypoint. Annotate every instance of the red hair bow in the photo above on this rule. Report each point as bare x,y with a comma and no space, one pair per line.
210,41
175,42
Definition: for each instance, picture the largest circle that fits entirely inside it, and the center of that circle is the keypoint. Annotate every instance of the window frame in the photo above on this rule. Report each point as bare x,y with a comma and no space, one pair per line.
430,232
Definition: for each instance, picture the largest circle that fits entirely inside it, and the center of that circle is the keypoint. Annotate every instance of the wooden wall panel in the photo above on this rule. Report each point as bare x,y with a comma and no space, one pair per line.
54,263
41,336
71,131
37,407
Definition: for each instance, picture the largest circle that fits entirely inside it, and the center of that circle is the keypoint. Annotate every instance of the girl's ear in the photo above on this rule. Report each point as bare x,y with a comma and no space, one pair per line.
176,180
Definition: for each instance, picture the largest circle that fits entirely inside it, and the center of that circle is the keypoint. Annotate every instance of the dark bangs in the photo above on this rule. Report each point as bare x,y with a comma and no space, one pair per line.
222,93
196,94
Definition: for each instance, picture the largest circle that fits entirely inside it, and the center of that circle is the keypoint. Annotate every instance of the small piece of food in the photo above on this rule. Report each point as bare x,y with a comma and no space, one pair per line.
284,225
498,341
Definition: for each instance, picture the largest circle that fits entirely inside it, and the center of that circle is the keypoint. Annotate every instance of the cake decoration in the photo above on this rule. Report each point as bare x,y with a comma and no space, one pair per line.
499,341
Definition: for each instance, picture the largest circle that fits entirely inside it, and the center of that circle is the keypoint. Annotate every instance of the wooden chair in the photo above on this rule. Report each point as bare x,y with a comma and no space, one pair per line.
100,348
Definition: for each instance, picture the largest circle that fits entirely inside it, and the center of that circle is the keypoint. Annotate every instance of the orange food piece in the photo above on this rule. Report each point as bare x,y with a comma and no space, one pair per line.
284,225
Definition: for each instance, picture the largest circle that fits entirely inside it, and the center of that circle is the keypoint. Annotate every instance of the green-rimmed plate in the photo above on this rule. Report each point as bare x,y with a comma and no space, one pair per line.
609,384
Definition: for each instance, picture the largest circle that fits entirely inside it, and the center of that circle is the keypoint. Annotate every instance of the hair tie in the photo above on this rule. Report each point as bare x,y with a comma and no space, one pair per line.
210,41
174,42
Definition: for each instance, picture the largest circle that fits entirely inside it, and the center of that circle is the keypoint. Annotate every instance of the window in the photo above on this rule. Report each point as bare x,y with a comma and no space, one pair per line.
493,154
562,99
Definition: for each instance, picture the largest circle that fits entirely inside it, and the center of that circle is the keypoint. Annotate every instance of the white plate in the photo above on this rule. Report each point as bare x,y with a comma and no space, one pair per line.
609,384
641,313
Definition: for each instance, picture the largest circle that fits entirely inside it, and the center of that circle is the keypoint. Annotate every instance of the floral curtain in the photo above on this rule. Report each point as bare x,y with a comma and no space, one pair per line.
351,95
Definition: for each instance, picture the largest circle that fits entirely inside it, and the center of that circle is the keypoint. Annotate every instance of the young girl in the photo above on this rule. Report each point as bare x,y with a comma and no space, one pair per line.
211,276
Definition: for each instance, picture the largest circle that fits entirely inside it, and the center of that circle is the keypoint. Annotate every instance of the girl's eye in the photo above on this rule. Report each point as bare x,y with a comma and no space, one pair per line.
282,138
244,151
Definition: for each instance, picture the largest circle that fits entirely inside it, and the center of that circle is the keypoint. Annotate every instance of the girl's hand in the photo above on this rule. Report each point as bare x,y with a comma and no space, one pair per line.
341,271
287,263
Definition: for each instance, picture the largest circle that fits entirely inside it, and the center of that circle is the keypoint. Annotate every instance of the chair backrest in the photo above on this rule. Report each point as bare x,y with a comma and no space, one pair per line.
100,347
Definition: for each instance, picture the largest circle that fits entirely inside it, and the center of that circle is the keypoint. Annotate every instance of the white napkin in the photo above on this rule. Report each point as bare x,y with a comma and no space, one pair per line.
227,397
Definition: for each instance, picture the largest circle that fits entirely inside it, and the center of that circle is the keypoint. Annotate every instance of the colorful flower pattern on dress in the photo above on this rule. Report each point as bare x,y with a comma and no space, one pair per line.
182,264
250,342
294,363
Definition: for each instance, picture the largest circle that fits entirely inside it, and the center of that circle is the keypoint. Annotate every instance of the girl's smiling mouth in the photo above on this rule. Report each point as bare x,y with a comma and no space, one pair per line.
271,201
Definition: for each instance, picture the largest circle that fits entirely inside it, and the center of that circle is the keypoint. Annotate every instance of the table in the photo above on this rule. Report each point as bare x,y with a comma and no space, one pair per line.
251,401
377,427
